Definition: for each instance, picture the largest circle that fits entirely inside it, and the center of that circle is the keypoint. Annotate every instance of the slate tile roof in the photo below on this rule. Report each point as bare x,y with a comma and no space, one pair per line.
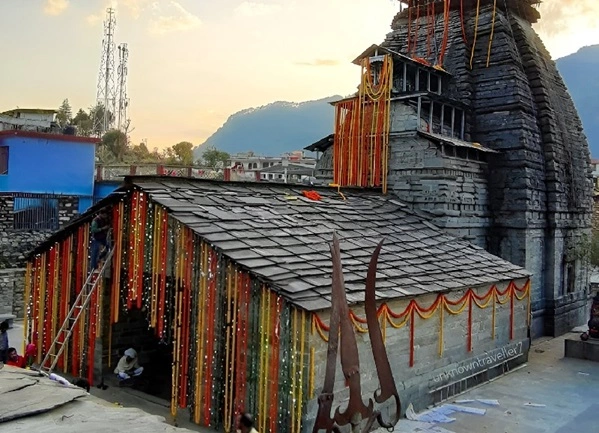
283,238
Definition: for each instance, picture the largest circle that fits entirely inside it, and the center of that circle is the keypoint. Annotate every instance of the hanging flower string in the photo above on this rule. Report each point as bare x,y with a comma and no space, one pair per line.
441,305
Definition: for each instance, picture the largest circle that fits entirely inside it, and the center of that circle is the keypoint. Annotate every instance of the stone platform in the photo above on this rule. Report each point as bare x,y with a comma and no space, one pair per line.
576,348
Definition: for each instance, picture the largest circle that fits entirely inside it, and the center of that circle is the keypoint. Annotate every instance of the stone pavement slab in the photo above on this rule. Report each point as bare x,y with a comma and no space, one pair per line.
551,394
30,403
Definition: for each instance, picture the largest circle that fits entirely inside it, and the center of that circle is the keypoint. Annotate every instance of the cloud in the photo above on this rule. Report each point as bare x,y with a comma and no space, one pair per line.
174,18
55,7
563,16
255,9
319,62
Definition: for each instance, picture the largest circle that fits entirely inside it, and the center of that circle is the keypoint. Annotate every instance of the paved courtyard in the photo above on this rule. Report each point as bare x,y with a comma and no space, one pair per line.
551,394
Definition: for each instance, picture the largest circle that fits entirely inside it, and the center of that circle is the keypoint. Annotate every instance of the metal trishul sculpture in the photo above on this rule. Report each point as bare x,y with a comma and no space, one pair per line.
342,334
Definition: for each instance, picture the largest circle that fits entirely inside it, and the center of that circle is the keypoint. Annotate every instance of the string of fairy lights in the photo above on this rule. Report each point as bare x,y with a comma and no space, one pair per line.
237,346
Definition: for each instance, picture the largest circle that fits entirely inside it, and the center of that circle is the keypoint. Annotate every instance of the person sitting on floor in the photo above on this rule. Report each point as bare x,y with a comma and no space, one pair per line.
15,359
246,424
128,365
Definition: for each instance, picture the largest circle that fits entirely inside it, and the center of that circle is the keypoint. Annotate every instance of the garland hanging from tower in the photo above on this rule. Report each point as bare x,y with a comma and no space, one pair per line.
360,150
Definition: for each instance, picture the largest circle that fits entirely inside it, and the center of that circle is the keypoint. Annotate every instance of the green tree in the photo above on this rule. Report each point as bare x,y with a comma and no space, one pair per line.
115,144
65,114
96,114
83,123
214,158
183,153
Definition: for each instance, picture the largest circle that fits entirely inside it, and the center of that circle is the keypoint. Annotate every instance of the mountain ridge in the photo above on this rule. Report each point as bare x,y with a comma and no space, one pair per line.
283,126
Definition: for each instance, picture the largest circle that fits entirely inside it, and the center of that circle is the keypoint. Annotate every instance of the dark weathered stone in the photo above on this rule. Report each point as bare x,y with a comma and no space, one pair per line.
530,203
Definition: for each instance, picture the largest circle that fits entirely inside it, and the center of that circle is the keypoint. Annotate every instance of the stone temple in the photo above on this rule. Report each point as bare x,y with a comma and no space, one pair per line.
475,126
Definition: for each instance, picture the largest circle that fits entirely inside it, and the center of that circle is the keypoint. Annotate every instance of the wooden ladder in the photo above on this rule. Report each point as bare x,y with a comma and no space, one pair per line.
79,306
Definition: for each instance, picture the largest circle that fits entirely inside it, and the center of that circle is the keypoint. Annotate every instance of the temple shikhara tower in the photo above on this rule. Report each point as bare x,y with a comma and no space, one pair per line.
462,113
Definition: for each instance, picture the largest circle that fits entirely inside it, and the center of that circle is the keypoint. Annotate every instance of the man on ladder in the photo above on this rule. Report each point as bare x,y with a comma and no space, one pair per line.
101,254
100,245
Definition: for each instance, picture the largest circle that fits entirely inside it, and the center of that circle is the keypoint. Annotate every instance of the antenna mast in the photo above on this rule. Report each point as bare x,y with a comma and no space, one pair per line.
106,95
123,101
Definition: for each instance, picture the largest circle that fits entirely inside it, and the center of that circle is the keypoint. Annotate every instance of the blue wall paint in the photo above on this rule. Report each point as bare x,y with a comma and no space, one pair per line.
104,188
48,165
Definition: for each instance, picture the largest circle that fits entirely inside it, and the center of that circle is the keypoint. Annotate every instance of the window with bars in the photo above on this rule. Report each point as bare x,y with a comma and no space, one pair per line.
35,213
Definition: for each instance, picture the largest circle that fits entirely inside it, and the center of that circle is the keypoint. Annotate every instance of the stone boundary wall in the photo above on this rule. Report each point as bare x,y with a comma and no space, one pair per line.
416,384
12,292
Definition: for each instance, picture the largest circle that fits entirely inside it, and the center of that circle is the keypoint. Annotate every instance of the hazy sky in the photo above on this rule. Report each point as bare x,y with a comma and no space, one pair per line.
195,62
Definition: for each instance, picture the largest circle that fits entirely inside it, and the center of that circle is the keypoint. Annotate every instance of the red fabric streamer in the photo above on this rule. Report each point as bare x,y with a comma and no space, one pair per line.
462,22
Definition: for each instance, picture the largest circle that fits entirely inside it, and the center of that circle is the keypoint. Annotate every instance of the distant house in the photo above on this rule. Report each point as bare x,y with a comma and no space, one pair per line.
287,172
29,119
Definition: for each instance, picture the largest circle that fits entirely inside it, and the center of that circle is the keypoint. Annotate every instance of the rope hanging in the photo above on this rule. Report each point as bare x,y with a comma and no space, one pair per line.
416,30
462,22
446,6
492,32
475,32
409,28
430,11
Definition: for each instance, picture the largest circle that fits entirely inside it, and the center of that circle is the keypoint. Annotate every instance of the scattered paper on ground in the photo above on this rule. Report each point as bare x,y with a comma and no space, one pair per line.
441,414
488,402
534,405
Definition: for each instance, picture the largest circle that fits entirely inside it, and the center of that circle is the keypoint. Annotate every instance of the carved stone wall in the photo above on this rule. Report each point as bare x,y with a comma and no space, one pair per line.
430,177
540,185
432,370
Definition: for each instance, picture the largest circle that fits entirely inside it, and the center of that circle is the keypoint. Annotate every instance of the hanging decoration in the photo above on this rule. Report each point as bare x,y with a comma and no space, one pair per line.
462,22
446,10
492,32
442,305
237,346
475,33
360,150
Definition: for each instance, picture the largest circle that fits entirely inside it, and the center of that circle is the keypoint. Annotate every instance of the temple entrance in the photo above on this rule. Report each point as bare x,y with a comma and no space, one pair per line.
133,331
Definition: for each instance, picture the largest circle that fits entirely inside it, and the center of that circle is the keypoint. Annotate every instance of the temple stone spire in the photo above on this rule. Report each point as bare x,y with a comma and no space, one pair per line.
535,196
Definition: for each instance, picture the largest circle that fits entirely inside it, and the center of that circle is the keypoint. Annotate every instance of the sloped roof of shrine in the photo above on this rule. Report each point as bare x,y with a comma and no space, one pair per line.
283,238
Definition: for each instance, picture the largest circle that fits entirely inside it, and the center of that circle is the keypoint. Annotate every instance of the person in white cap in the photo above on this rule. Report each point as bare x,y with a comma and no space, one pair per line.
128,365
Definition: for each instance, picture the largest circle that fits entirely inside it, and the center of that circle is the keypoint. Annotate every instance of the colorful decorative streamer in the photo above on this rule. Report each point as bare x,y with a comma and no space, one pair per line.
237,345
360,148
441,305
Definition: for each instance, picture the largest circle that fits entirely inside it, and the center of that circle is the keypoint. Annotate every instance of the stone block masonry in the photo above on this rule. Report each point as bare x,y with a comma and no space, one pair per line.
12,289
441,355
539,187
15,244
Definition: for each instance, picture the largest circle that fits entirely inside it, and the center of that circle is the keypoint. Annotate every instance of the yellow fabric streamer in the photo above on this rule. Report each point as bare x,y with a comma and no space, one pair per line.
475,32
492,32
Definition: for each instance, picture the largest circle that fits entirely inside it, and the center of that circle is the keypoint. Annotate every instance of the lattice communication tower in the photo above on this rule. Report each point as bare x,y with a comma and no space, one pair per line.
106,94
123,100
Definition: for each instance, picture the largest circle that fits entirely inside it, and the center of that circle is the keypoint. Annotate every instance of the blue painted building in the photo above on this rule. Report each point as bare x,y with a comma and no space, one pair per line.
53,164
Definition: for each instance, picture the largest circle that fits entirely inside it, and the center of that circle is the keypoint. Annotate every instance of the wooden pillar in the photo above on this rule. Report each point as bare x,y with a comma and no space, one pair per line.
99,172
452,120
430,117
405,77
419,112
417,79
428,81
462,129
440,83
442,117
